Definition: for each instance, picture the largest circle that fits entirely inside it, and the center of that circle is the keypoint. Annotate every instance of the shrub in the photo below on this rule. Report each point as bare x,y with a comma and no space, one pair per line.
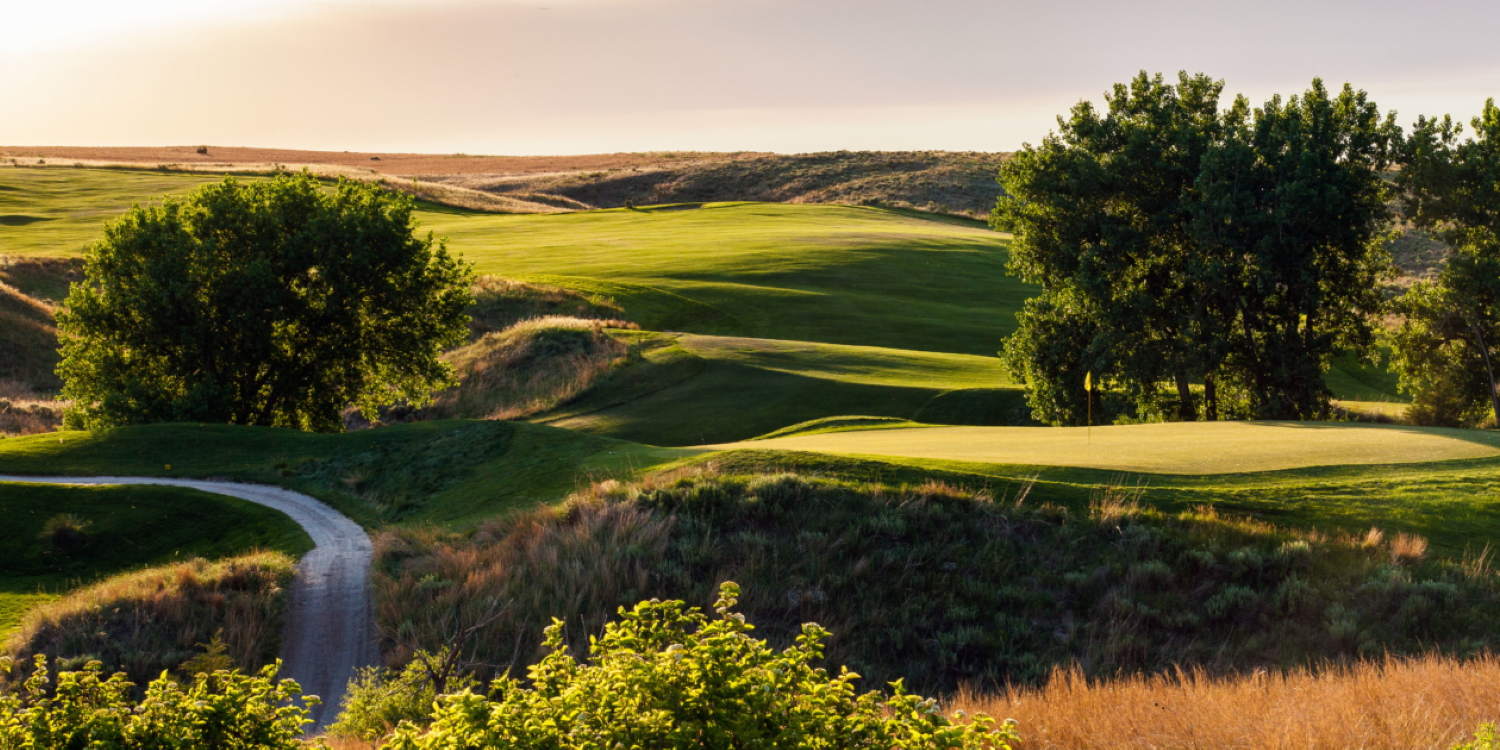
666,676
219,710
64,531
378,699
1484,739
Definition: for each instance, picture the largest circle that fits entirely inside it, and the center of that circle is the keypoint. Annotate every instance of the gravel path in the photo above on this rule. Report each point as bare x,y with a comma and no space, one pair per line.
329,628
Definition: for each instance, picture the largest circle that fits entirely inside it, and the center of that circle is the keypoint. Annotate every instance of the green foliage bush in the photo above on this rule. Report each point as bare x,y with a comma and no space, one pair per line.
665,676
379,699
1484,739
273,303
84,709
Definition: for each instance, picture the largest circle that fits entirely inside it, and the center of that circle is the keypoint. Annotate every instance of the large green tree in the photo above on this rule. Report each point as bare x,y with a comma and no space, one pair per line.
1102,217
1176,242
1445,347
278,302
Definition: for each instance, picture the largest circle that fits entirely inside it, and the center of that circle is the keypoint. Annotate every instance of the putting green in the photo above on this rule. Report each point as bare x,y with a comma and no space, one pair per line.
1174,448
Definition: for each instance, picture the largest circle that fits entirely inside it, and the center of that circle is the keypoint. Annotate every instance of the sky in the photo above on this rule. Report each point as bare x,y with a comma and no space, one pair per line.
599,76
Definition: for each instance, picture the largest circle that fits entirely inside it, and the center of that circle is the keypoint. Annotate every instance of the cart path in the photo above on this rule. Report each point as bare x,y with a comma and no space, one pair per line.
329,630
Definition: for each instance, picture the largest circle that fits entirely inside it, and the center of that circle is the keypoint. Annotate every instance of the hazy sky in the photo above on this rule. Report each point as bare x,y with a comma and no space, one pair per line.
585,76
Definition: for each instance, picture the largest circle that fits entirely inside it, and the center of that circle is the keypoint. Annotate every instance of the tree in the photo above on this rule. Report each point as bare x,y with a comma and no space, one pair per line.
1293,204
1101,213
275,303
1176,243
1445,345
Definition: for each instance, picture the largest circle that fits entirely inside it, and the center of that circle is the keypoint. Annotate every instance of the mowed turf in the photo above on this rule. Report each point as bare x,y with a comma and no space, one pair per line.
691,389
1171,448
125,527
832,274
443,472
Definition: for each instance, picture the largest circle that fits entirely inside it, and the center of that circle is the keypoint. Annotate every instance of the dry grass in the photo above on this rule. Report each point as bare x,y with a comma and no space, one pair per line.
1399,704
500,303
144,622
530,367
580,562
24,412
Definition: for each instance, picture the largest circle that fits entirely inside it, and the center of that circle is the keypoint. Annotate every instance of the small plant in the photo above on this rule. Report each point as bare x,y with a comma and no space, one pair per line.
379,700
1484,739
86,709
64,532
202,150
667,676
215,658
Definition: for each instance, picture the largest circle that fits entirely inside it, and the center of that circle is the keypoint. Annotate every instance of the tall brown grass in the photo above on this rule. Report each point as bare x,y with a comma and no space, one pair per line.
1390,704
154,619
580,562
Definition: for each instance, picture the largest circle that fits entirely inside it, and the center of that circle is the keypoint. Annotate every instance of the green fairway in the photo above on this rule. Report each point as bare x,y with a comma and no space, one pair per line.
427,471
691,389
1171,448
126,527
834,274
59,211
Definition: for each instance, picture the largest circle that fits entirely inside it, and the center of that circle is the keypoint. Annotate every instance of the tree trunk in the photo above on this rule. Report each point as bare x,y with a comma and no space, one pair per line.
1186,411
1489,368
1210,399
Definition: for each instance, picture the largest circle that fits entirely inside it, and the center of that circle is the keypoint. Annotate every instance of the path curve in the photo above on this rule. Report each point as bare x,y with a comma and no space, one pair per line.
329,630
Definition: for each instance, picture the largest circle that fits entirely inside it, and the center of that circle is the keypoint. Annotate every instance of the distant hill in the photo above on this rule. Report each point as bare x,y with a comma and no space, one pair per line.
947,182
942,181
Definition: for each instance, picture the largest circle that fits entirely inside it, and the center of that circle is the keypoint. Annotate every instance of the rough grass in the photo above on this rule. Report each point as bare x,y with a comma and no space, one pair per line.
443,471
942,585
155,619
123,527
1171,448
532,366
1425,703
500,303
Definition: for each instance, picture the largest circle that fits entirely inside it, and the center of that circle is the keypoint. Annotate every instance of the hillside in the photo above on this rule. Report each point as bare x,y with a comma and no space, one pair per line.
950,182
946,182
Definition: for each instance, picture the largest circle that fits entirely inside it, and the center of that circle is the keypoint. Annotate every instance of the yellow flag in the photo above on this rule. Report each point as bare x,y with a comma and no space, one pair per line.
1088,381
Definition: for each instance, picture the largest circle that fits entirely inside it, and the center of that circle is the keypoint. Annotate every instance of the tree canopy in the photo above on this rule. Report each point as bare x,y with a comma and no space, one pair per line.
1445,345
1178,243
276,302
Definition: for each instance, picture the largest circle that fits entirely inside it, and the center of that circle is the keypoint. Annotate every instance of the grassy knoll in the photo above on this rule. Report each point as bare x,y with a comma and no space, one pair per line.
690,389
940,584
833,274
123,527
443,471
1173,448
1451,503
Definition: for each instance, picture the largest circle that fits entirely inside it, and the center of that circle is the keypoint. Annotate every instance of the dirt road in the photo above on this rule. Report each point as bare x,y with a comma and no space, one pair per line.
329,628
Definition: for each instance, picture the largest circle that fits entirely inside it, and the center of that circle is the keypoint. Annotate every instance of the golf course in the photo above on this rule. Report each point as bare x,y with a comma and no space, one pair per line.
761,361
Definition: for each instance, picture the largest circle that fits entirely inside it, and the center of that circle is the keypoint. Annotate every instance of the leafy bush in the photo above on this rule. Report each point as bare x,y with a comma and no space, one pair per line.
378,699
226,710
666,676
1484,739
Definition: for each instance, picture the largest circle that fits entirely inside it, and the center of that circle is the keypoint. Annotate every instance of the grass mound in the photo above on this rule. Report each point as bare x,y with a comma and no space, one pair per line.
839,424
532,366
500,303
152,620
941,585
